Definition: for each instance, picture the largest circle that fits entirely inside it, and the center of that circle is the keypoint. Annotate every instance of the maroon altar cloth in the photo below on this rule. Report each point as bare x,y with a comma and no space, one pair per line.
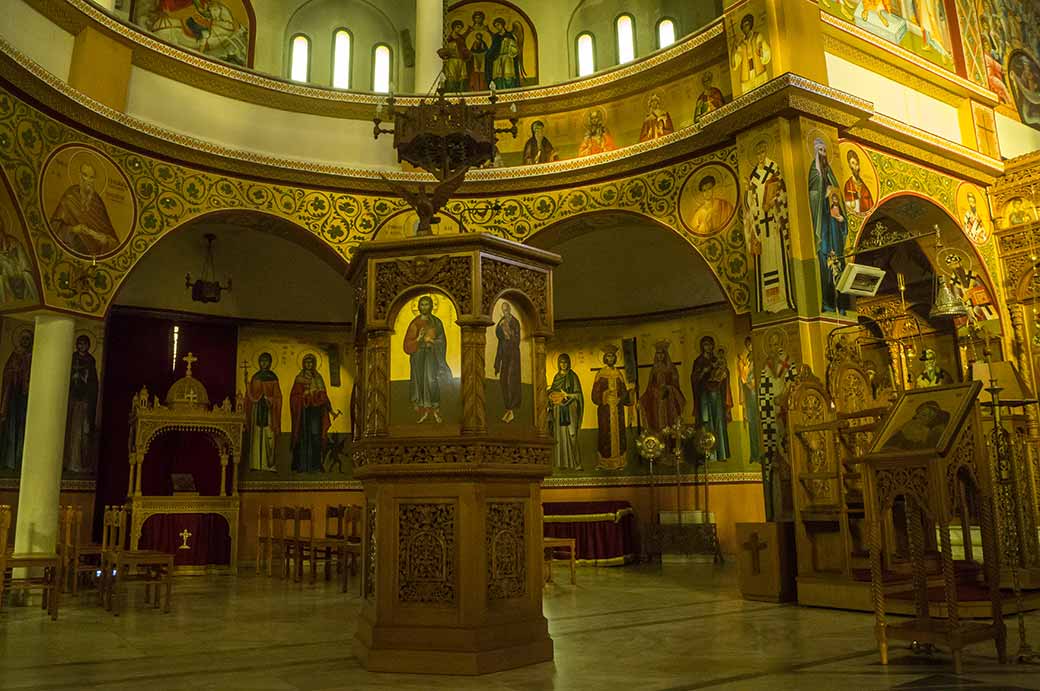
209,542
604,530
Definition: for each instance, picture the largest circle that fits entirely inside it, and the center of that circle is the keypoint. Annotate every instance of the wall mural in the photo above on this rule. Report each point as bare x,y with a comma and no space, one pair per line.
767,225
861,190
16,345
508,359
751,57
220,29
708,199
18,285
297,390
609,383
425,364
624,122
830,226
1010,36
488,41
973,213
87,199
924,27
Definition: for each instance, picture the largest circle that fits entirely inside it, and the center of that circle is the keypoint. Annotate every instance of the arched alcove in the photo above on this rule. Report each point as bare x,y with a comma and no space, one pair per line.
279,271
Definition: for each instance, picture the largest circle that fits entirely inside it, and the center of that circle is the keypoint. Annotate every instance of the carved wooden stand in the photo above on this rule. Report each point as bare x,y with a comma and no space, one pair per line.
453,524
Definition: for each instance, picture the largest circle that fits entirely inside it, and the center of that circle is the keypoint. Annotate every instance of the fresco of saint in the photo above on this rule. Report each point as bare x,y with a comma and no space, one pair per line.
829,225
14,402
611,392
597,139
751,56
566,408
538,148
263,408
858,198
657,121
769,234
507,361
427,347
663,401
81,220
712,399
311,417
711,98
713,213
82,415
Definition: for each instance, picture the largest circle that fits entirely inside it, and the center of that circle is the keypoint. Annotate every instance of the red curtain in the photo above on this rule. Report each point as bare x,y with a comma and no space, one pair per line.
208,539
139,351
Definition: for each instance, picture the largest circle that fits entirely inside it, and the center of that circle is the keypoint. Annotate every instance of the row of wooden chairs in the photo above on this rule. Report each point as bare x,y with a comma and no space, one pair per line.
29,570
286,535
80,561
121,566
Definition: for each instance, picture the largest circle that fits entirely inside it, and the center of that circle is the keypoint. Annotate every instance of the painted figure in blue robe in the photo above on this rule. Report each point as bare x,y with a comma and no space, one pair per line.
427,347
14,402
829,226
566,409
712,400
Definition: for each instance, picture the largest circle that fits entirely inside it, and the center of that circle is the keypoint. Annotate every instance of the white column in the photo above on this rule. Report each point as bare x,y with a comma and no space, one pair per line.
40,488
429,38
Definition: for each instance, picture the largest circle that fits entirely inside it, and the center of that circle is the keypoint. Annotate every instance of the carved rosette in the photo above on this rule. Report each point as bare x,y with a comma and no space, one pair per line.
469,453
911,482
497,276
377,384
370,551
506,550
450,274
541,395
426,549
474,406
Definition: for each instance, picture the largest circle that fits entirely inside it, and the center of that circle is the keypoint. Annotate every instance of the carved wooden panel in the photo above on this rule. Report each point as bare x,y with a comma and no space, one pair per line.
370,551
450,274
497,276
426,545
506,547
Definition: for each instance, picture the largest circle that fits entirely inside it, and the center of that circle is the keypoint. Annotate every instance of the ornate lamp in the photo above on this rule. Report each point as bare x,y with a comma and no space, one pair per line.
948,260
207,288
445,137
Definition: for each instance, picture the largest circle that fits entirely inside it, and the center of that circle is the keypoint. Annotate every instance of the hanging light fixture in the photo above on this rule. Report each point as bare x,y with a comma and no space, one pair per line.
207,288
946,303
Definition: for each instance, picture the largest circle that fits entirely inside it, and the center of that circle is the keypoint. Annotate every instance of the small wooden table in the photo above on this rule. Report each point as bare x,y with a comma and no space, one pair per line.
43,572
552,543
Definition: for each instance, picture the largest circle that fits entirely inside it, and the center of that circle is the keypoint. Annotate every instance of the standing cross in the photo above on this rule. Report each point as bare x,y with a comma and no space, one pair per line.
190,359
756,546
184,538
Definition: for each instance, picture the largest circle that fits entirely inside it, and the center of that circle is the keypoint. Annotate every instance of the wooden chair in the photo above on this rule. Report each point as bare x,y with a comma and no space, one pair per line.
42,570
277,531
121,565
298,531
79,558
552,544
342,543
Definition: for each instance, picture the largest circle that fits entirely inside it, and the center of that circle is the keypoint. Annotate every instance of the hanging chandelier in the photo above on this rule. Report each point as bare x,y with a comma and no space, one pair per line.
445,137
207,288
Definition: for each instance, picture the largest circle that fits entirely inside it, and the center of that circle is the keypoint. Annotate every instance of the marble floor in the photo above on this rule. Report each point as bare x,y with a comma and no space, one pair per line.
672,628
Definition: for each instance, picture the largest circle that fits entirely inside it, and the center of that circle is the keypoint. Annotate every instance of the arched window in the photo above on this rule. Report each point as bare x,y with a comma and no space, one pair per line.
625,29
342,44
665,33
381,62
586,54
300,58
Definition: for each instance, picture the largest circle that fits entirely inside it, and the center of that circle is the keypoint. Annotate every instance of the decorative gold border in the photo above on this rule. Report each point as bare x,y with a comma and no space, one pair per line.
9,483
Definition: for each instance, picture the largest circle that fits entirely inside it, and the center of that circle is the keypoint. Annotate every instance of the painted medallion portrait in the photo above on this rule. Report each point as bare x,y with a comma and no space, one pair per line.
87,201
708,199
973,213
1018,212
860,189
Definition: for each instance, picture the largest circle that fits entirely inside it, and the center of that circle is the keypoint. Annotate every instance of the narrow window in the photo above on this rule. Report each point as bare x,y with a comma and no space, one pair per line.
341,59
665,33
381,69
626,39
299,63
586,55
175,337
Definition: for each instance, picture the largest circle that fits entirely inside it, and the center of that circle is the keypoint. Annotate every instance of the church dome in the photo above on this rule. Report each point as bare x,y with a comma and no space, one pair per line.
187,392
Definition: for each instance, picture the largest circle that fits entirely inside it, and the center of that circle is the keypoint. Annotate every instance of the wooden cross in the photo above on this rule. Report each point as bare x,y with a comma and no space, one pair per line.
184,535
190,359
756,546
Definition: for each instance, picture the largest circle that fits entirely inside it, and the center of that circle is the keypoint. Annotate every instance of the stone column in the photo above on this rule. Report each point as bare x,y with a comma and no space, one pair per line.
474,404
40,487
429,38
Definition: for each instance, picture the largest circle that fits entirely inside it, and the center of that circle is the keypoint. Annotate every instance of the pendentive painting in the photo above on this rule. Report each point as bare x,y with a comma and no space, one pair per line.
1010,36
425,366
488,41
507,356
18,287
87,200
924,27
708,199
297,396
220,29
